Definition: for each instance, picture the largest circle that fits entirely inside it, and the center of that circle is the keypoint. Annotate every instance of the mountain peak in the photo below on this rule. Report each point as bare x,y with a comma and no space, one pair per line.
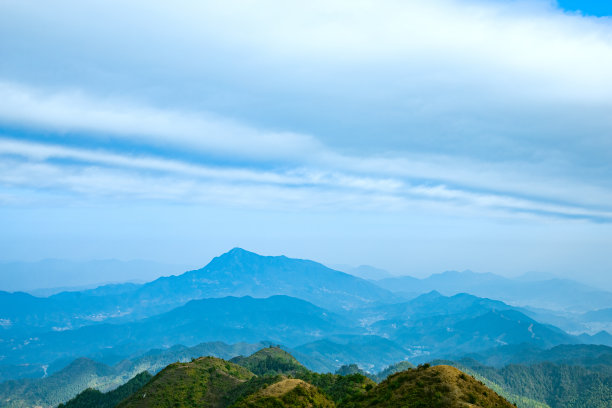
236,254
237,251
439,386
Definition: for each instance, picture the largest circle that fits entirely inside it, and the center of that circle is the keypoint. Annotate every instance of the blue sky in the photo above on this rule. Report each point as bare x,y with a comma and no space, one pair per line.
599,8
415,136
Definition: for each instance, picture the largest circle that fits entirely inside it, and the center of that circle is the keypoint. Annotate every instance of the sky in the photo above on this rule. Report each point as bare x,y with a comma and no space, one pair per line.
415,136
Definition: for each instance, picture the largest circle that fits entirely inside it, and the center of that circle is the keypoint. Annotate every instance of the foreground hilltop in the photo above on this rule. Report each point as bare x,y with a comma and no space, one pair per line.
290,392
271,377
203,382
440,386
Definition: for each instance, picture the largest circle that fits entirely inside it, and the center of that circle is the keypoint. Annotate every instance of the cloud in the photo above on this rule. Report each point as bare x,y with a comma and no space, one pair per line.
97,173
480,81
491,104
76,112
82,116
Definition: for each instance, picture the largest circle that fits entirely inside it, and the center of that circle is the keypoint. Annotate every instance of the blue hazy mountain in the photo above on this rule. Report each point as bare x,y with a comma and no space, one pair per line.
430,325
280,319
235,273
600,315
373,353
532,290
433,324
586,355
243,273
602,337
328,318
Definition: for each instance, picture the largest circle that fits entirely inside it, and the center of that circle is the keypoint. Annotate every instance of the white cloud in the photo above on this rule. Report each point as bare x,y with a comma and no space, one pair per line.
76,112
522,48
437,69
456,71
121,176
309,160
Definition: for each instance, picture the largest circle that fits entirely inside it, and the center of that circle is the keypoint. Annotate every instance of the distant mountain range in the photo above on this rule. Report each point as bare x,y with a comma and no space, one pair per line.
427,326
189,309
546,293
586,355
326,318
546,384
236,273
282,319
435,324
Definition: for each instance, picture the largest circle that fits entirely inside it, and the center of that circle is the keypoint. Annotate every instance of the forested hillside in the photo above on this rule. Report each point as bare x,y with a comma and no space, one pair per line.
278,380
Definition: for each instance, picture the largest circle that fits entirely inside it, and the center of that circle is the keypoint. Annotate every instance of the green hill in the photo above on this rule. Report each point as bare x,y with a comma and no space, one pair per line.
85,373
271,377
392,369
556,385
202,382
91,398
281,381
270,361
81,374
431,387
273,364
289,392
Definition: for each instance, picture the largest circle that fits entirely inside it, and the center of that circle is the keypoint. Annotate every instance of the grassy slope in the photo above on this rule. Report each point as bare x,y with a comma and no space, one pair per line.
431,387
289,392
546,384
202,382
281,381
85,373
91,398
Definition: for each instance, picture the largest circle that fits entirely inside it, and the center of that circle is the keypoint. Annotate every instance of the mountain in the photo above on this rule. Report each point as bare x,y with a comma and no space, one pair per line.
600,315
278,365
243,381
585,355
24,315
93,398
217,383
553,294
372,353
289,392
439,386
280,319
547,384
270,361
243,273
235,273
83,373
202,382
433,325
367,326
80,374
602,338
392,369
